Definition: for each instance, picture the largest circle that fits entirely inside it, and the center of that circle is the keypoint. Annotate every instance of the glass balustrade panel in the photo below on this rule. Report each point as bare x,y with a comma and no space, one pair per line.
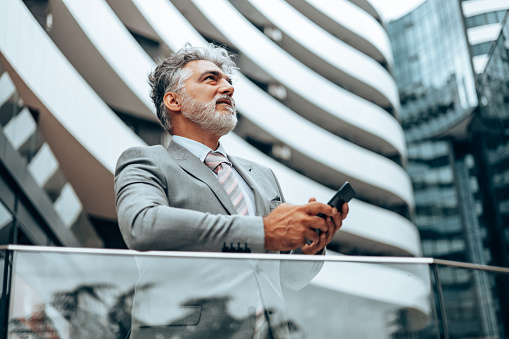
475,302
102,295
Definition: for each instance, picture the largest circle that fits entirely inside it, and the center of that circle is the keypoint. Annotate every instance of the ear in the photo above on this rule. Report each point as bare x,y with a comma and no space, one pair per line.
172,101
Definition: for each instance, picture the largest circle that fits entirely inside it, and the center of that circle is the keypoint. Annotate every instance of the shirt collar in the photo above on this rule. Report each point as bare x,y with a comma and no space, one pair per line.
197,148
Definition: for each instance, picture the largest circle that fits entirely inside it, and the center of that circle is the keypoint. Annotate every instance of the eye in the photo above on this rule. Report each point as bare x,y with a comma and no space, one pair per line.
210,77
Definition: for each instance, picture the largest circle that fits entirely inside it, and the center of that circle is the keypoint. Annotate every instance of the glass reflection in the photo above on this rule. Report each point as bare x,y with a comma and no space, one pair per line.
468,297
352,300
65,295
58,295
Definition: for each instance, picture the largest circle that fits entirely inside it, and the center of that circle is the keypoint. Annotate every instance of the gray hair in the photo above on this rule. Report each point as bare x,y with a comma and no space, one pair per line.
169,75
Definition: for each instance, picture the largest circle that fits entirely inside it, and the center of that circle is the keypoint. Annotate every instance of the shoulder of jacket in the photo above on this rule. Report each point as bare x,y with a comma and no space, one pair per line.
253,164
245,161
145,150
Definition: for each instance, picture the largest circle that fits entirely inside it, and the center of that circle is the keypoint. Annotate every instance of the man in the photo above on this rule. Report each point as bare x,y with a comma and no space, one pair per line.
192,196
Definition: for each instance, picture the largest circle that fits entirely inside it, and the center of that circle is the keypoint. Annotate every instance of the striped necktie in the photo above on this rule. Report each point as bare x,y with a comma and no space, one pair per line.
223,168
261,330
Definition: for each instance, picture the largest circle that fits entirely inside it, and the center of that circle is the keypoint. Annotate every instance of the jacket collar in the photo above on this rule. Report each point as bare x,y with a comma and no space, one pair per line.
192,165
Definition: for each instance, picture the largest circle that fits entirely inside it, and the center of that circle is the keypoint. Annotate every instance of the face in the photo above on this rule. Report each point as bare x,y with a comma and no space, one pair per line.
206,98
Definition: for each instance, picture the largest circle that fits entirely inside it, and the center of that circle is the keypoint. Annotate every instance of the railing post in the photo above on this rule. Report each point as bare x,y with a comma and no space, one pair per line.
6,293
441,302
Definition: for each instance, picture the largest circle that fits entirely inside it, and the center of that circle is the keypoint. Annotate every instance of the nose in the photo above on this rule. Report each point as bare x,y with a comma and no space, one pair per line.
226,88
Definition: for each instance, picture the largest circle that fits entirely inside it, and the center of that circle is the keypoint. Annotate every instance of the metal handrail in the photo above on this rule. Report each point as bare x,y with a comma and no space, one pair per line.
257,256
471,266
220,255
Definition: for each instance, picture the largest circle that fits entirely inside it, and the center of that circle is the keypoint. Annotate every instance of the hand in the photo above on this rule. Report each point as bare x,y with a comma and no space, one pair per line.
288,226
334,223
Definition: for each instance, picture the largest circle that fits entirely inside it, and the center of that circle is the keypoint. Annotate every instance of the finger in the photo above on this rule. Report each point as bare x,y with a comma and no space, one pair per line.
322,243
313,208
312,235
344,210
312,199
332,230
337,219
318,223
315,247
305,249
309,248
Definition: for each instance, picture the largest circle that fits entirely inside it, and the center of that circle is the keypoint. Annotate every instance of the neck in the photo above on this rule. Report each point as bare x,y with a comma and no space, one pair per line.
208,140
184,128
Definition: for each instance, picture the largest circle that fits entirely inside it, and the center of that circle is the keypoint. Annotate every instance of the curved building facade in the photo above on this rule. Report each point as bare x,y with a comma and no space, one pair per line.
316,101
302,109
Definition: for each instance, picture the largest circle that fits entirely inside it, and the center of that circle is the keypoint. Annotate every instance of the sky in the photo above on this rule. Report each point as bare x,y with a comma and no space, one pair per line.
394,9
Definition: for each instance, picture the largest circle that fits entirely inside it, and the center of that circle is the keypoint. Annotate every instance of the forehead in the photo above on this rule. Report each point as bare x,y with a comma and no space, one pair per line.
199,67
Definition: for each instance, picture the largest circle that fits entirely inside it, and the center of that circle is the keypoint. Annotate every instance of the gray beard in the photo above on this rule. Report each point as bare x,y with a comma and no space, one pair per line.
205,115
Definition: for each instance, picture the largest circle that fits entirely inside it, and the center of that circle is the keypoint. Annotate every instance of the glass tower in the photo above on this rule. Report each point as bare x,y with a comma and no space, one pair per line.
439,110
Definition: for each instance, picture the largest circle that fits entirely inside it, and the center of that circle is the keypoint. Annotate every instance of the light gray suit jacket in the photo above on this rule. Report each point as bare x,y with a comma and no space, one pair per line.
170,200
167,199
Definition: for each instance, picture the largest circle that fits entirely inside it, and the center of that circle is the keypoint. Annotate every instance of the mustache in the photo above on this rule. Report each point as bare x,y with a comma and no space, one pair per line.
225,98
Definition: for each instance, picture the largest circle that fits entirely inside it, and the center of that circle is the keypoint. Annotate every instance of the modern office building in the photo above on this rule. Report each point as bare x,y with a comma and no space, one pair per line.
483,21
437,52
490,141
74,95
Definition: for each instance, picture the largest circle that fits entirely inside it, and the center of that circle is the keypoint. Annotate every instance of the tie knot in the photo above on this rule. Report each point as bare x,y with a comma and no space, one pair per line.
214,159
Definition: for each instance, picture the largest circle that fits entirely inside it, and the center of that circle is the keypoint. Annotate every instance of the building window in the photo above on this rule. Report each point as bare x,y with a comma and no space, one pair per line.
485,19
482,48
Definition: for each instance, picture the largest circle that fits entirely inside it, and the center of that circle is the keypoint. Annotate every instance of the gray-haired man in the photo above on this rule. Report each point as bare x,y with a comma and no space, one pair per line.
193,196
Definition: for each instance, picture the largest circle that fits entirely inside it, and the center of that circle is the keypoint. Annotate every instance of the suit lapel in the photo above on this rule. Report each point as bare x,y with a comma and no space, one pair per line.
251,177
192,165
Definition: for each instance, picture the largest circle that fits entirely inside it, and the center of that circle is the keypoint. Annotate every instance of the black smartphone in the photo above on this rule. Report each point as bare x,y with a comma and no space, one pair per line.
344,194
